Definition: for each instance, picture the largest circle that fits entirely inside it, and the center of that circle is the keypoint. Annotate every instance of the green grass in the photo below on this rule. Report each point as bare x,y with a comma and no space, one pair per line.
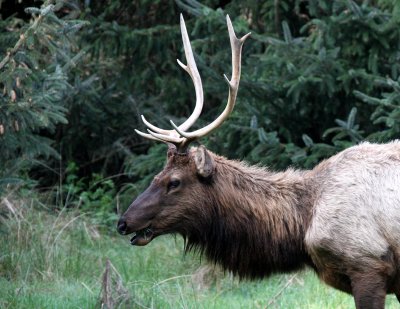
57,261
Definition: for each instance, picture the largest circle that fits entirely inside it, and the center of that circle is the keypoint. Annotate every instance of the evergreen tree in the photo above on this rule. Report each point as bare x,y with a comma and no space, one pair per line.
36,56
318,76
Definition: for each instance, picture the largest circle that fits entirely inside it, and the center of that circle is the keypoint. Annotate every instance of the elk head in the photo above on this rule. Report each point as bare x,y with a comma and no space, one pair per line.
179,193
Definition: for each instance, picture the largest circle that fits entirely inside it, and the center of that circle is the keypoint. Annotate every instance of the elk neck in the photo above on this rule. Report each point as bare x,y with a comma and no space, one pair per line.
254,221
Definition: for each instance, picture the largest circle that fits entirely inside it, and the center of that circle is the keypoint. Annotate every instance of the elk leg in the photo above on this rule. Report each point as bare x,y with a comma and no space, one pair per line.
369,291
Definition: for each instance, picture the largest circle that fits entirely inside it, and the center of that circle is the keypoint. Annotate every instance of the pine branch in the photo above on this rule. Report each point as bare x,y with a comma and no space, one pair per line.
24,36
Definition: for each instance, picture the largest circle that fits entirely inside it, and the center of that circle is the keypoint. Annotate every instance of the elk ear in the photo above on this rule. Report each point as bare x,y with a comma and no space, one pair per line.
204,162
171,150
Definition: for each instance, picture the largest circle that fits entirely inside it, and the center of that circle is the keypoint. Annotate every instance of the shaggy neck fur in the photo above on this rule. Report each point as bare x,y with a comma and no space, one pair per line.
255,223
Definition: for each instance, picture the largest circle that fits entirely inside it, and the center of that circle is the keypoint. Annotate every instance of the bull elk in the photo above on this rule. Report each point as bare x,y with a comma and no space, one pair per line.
341,218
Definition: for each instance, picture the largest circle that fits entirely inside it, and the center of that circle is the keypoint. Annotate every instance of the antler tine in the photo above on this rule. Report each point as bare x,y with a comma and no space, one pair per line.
167,138
236,46
161,137
192,70
149,136
154,128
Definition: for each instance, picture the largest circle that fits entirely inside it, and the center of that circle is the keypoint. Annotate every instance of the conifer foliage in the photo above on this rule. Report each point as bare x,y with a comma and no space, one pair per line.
318,76
37,55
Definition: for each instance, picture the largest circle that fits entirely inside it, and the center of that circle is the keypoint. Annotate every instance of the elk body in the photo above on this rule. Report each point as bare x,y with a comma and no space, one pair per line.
342,218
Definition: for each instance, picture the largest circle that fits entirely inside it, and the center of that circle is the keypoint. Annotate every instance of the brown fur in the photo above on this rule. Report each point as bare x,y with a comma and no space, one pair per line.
254,222
251,232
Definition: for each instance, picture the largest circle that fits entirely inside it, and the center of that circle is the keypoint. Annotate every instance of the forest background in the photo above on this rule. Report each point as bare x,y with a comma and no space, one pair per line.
318,76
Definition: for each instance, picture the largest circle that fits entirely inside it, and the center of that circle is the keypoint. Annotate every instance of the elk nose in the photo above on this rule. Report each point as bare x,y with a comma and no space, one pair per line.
122,226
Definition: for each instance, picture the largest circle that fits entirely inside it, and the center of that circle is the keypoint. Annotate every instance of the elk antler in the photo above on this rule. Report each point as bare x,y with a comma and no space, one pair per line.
179,135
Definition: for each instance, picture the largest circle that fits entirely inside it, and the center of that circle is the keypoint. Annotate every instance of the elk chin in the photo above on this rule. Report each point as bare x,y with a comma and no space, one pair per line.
142,237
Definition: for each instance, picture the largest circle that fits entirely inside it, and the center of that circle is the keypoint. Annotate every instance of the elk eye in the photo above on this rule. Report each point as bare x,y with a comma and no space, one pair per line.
173,184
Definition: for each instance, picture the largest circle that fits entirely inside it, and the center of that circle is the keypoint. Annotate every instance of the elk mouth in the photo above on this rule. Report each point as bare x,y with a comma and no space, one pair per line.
142,237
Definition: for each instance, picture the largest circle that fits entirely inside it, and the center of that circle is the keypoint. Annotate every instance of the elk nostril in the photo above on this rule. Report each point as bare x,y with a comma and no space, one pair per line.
122,226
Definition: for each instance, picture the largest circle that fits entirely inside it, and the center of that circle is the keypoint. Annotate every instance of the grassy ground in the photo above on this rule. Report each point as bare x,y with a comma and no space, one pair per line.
58,261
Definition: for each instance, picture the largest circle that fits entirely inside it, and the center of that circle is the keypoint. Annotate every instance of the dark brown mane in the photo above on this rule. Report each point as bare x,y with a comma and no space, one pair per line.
248,231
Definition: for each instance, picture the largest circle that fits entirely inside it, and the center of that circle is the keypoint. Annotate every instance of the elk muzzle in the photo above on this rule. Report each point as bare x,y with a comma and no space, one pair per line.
140,238
122,227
